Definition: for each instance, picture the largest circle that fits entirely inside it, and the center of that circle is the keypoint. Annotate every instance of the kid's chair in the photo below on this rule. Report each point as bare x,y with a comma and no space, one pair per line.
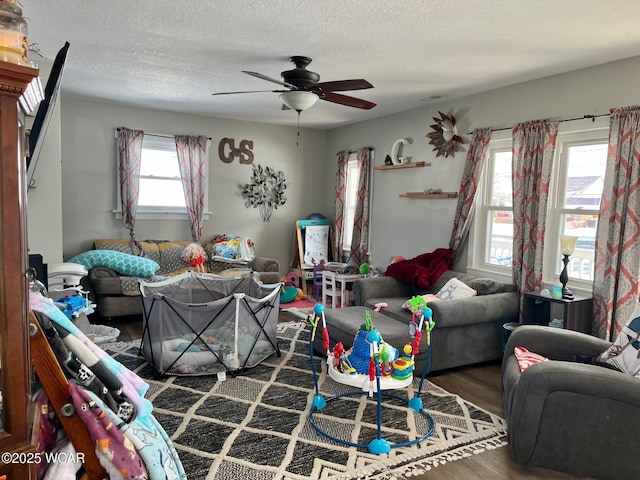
329,290
318,268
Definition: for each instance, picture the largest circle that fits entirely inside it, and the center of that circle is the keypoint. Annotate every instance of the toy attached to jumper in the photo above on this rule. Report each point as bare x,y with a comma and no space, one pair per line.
360,355
195,255
372,365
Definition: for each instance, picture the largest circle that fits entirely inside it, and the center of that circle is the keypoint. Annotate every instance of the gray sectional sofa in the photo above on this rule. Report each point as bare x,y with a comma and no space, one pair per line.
468,330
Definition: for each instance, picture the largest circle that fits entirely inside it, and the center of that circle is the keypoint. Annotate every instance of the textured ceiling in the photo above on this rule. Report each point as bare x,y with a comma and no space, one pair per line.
172,55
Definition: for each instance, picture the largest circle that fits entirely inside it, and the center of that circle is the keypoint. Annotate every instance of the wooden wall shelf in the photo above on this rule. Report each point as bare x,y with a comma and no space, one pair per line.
403,165
429,195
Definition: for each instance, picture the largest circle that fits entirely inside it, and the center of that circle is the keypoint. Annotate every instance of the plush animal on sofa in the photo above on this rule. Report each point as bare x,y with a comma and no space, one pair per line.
195,255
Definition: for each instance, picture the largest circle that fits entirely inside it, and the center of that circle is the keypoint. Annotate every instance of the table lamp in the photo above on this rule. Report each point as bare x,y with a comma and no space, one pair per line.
567,247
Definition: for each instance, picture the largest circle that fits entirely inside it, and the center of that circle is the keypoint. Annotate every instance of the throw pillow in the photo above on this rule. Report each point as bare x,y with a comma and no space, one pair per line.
454,288
123,263
624,354
527,358
486,286
149,248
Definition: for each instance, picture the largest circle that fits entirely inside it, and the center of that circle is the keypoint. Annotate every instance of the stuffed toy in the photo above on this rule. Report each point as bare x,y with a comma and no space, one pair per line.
287,291
195,255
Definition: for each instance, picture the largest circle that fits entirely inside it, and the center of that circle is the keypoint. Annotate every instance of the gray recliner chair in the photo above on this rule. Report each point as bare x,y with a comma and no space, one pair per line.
567,414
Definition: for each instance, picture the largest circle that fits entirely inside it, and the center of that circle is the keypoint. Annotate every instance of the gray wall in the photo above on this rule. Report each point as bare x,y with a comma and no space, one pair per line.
399,226
408,227
89,179
44,202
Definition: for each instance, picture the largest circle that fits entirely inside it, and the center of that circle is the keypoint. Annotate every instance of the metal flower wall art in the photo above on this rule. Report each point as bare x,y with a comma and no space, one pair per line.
265,191
444,138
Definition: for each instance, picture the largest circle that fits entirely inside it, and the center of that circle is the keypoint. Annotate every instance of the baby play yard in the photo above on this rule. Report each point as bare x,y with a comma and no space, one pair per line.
204,324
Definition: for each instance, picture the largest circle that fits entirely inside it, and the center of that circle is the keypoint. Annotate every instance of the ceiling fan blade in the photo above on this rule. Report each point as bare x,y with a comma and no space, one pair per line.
348,101
268,79
249,91
344,85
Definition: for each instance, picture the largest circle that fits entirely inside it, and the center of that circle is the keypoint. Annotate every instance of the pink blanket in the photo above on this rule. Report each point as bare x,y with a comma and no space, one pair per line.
422,271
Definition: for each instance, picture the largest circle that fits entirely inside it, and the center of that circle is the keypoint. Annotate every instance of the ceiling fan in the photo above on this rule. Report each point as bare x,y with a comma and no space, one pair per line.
305,88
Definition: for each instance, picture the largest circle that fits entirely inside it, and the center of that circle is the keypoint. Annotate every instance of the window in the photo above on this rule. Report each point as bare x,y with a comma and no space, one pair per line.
573,208
494,212
500,210
353,172
160,184
576,203
160,190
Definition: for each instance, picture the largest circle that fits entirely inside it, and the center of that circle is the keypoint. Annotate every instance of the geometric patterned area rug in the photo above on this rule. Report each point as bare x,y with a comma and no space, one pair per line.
300,308
255,425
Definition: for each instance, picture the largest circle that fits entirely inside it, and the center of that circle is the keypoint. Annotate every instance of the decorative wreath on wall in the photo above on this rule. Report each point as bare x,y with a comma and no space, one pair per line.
444,138
265,191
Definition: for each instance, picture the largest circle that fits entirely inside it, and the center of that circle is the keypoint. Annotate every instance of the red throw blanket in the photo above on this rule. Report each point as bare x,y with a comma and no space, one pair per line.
423,270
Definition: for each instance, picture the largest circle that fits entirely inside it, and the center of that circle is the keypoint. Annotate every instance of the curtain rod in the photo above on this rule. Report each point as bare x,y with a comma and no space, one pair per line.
161,135
592,117
349,152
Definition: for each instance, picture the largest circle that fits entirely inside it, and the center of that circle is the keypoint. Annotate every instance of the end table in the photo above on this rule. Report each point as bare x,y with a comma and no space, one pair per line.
577,313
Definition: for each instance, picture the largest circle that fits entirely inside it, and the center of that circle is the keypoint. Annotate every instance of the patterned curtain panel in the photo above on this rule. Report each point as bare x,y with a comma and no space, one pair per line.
192,158
129,154
360,237
617,254
476,159
341,191
534,145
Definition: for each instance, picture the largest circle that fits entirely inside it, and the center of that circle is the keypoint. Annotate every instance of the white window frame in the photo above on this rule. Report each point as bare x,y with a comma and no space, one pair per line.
578,132
500,142
147,212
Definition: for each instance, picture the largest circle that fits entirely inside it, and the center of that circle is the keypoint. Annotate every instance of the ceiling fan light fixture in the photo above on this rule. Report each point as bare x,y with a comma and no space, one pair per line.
299,100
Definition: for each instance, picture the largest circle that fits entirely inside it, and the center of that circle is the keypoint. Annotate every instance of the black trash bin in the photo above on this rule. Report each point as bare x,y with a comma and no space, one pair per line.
507,329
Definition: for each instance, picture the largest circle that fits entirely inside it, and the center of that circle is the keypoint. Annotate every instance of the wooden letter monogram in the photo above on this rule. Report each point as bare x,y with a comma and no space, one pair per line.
243,152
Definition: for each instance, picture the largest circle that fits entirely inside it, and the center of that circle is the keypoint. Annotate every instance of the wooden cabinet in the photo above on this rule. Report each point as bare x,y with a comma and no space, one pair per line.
16,434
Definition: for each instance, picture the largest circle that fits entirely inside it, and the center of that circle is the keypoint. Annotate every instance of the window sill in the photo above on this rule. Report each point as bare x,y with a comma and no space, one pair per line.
161,215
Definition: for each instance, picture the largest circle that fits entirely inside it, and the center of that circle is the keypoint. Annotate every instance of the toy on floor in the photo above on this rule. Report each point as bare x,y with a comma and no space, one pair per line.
196,256
372,365
290,293
71,305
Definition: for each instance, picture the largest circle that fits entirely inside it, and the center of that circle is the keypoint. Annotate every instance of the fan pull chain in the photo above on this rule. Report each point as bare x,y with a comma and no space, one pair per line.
298,127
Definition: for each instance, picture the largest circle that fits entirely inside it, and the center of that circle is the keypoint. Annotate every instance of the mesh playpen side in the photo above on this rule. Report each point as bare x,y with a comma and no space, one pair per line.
203,324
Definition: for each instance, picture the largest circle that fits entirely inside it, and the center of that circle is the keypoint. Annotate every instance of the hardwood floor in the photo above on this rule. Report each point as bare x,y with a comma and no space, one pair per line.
479,384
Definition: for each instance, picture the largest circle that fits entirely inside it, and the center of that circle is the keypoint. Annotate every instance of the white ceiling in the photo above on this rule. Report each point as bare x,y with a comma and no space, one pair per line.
172,55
